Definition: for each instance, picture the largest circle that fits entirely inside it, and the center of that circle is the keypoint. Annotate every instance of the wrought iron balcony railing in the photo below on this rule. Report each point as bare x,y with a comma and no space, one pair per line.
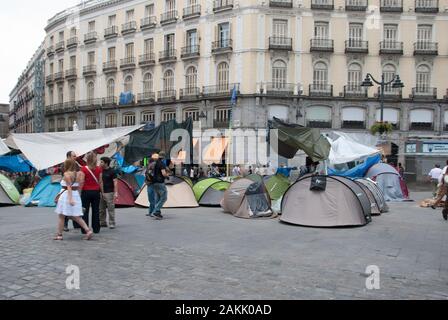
280,88
280,43
146,97
391,47
224,89
322,4
71,73
166,95
60,47
148,23
192,12
356,5
191,92
222,46
427,6
111,32
321,90
423,92
147,59
426,48
168,55
89,70
355,91
110,66
280,3
421,126
222,5
72,43
391,6
90,37
326,45
356,46
127,63
128,27
168,17
352,124
318,124
190,52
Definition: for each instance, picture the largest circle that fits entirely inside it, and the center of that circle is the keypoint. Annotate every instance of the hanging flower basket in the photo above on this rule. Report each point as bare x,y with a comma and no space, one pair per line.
381,128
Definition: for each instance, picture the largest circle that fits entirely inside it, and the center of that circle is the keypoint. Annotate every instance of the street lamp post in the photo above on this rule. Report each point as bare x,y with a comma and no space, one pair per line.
396,83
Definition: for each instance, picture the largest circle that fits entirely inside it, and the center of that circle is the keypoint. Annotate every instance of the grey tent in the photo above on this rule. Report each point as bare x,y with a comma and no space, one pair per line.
376,192
343,203
389,182
247,199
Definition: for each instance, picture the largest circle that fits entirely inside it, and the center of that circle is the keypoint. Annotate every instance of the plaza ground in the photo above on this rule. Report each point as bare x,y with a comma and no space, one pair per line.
203,253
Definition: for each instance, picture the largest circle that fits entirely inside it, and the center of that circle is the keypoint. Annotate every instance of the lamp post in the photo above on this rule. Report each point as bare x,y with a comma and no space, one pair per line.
396,83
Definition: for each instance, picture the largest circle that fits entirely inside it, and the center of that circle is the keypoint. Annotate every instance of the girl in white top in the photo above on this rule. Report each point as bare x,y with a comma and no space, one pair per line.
69,203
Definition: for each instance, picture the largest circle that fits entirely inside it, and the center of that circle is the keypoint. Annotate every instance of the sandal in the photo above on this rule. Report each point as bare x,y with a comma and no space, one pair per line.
58,237
89,235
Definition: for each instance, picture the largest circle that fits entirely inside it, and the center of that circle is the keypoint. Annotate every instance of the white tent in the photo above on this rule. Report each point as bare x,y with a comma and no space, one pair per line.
3,147
345,150
45,150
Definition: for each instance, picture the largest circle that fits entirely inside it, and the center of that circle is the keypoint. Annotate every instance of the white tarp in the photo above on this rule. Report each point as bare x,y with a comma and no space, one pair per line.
344,150
45,150
3,147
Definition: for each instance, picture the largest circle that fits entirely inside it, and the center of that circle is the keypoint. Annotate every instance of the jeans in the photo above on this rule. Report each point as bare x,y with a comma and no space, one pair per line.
91,198
107,204
151,198
160,196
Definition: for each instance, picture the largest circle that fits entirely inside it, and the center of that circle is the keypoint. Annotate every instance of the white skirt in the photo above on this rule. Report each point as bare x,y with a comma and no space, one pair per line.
63,207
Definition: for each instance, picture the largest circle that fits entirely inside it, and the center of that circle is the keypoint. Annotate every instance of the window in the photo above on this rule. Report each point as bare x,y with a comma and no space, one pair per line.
61,124
321,30
423,79
51,96
390,32
61,36
111,120
168,80
278,111
353,118
389,114
111,88
148,116
90,91
421,119
223,76
51,40
191,78
223,35
71,121
149,10
149,46
51,68
280,28
73,32
222,114
355,32
91,26
111,20
279,74
168,115
389,73
91,57
61,94
61,65
128,84
129,15
51,125
354,76
192,38
90,122
147,83
73,62
424,33
129,50
72,93
111,54
169,42
320,76
191,113
129,119
170,5
318,117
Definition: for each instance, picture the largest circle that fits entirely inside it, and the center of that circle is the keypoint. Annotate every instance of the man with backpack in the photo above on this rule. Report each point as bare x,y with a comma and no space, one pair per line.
156,175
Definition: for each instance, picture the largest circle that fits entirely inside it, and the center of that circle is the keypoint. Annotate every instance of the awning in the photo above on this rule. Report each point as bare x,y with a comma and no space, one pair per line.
45,150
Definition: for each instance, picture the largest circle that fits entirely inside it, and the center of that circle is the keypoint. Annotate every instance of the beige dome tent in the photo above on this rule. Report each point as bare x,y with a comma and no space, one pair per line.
343,203
376,193
247,199
180,195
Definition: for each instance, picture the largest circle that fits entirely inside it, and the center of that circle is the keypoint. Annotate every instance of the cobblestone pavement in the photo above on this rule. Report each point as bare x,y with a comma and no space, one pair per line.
205,254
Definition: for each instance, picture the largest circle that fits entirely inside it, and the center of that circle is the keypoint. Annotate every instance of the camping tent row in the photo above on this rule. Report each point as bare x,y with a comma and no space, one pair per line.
389,181
344,202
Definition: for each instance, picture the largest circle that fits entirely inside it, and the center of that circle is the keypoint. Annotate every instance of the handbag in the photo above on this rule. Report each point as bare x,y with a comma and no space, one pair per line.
318,183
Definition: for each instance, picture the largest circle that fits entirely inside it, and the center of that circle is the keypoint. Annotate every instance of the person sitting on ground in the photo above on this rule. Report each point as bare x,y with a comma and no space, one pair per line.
433,177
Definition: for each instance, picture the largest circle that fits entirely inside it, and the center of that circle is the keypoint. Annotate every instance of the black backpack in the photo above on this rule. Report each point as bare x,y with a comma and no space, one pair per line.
149,175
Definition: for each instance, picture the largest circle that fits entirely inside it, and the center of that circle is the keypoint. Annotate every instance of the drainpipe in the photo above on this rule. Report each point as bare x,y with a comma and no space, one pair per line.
441,120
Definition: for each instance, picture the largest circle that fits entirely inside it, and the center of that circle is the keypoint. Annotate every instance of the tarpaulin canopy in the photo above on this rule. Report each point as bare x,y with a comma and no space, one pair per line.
143,143
293,137
15,163
3,147
345,150
48,149
359,171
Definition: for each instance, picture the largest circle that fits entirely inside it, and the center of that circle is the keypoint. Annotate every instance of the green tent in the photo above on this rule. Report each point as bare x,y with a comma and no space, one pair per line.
255,177
209,192
187,180
277,186
8,192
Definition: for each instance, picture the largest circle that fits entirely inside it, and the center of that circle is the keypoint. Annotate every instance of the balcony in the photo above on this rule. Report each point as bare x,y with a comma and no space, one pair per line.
127,63
110,67
60,47
128,28
50,51
222,5
280,43
223,90
110,102
321,90
280,3
148,59
148,23
424,93
168,17
426,48
166,96
90,37
72,43
279,88
221,124
391,6
318,124
353,124
70,106
89,70
356,46
222,46
355,91
167,56
146,97
421,126
391,47
322,45
322,4
390,93
356,5
49,79
190,52
189,93
111,32
192,12
59,76
427,6
71,74
90,104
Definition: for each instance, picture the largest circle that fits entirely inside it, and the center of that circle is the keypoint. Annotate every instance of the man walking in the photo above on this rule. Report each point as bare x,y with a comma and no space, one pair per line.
434,176
149,180
109,192
159,187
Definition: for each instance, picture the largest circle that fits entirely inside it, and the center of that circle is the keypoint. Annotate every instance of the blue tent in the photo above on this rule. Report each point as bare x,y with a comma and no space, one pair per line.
15,163
359,171
44,193
140,180
121,164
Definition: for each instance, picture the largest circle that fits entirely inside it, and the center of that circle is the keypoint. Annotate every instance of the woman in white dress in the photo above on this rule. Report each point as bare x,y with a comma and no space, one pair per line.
69,203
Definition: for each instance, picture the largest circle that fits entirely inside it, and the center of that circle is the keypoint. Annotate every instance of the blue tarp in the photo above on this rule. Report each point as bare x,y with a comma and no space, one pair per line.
44,193
284,171
359,171
126,98
121,164
15,164
140,180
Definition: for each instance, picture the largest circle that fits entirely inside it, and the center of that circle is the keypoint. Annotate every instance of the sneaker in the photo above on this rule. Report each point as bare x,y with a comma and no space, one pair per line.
445,214
112,226
158,216
66,229
103,225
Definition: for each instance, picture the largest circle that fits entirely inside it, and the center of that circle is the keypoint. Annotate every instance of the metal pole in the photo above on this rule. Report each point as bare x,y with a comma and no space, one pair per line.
382,98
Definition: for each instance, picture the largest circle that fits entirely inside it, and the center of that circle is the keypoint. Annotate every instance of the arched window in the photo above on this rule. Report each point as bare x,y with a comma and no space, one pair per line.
223,77
318,117
191,113
423,79
389,72
90,90
111,88
320,76
72,93
168,115
111,120
168,80
148,116
128,119
421,119
128,84
147,83
191,80
279,74
354,77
